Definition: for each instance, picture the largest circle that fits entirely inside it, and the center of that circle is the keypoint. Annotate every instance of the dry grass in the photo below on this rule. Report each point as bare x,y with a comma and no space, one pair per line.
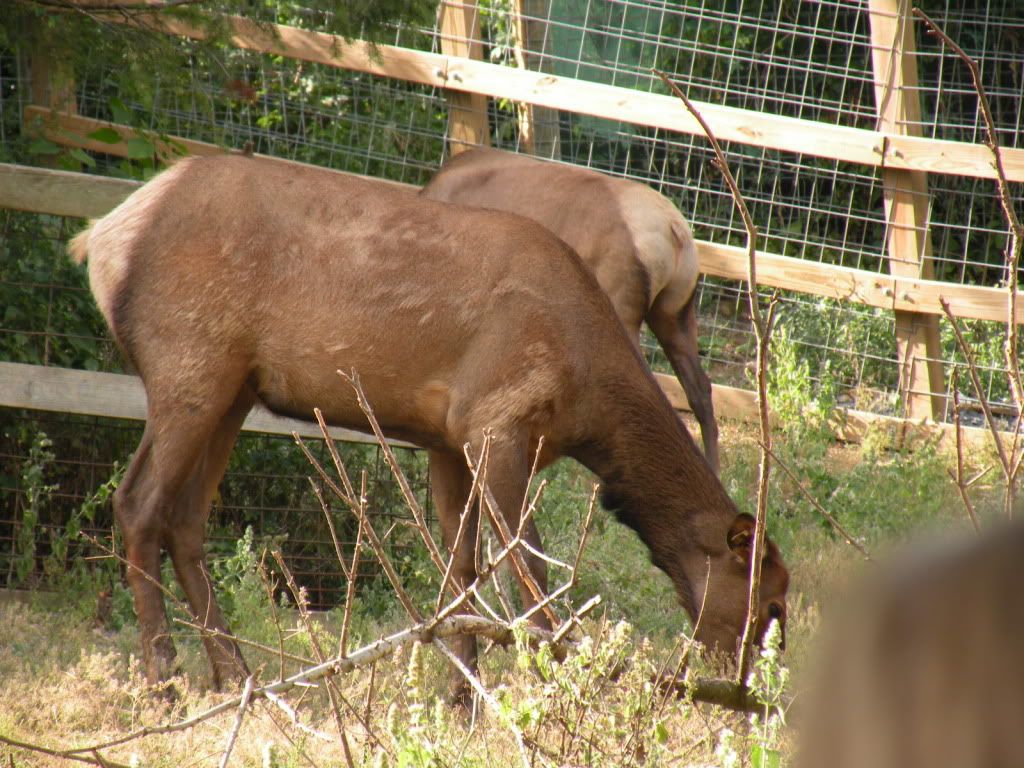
76,686
64,683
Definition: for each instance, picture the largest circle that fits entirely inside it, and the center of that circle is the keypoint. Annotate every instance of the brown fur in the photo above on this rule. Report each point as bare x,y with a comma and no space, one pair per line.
233,281
925,665
633,239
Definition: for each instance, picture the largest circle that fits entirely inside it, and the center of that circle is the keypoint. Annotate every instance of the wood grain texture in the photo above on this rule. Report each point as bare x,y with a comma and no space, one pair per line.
113,395
64,193
874,148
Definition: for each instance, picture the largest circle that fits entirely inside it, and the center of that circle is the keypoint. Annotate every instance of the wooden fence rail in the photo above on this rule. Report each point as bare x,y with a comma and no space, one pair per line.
902,158
115,395
64,193
73,194
856,145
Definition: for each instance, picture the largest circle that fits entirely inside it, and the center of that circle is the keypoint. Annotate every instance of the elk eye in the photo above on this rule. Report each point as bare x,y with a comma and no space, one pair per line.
775,611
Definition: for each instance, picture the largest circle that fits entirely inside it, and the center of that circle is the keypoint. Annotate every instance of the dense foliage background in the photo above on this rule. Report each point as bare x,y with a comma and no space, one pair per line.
808,60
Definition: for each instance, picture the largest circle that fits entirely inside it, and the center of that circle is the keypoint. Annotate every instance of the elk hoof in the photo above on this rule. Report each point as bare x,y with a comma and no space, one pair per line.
165,692
462,699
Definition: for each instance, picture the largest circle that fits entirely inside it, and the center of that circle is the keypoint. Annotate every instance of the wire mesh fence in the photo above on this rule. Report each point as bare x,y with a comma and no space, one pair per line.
53,464
809,60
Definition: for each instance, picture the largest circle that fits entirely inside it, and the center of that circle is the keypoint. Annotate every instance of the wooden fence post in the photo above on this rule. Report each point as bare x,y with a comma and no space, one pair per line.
459,25
52,85
894,62
538,126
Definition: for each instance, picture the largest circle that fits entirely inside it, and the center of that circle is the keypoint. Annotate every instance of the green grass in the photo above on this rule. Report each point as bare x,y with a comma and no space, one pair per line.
65,682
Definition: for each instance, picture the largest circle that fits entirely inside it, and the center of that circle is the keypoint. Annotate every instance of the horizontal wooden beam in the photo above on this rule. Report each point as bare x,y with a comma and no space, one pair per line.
847,424
874,289
117,396
64,193
787,134
60,193
71,130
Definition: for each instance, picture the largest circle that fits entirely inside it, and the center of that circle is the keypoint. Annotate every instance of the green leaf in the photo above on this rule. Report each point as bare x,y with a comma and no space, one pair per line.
43,147
107,135
176,146
139,148
120,111
660,733
762,757
83,158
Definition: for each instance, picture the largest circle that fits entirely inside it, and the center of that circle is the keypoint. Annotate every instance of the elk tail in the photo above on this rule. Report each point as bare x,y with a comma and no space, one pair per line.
79,245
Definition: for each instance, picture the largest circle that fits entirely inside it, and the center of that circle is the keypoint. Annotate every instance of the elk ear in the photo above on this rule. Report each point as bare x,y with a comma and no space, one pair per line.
741,537
681,232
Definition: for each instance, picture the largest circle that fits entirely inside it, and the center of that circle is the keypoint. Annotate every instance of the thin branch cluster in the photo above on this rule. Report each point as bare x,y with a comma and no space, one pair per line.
454,612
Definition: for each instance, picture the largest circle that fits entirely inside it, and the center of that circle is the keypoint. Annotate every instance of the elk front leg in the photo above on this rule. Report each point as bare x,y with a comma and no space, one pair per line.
507,479
450,483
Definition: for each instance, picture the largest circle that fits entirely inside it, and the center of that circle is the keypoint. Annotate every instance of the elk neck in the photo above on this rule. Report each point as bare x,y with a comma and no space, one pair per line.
657,482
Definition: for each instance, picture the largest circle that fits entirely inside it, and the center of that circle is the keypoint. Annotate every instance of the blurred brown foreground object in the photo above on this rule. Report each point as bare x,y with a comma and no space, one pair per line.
927,668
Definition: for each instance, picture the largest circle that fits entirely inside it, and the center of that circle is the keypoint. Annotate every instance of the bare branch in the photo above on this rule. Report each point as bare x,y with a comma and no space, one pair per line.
293,717
979,390
479,472
403,484
1013,462
332,694
486,696
353,573
338,465
522,568
762,332
233,734
846,536
93,758
958,478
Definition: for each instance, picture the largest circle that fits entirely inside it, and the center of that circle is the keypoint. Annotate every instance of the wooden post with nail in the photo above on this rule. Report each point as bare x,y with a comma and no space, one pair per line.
459,27
894,60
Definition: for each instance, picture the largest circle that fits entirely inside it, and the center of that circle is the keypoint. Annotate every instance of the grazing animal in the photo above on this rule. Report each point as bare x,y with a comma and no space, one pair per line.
633,239
925,666
233,281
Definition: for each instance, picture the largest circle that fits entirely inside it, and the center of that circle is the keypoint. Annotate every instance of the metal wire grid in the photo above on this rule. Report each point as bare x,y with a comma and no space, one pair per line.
818,67
805,207
818,60
821,210
815,209
844,346
278,504
969,231
356,123
992,33
47,315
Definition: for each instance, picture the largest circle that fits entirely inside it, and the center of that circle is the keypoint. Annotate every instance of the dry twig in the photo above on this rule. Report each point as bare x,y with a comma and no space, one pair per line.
847,537
243,706
762,331
1014,459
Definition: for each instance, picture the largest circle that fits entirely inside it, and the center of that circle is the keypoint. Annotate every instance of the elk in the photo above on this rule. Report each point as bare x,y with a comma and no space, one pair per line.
234,281
633,239
924,666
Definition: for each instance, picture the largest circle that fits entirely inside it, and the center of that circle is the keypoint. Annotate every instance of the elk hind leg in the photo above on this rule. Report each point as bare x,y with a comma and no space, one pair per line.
187,533
141,529
148,501
676,331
